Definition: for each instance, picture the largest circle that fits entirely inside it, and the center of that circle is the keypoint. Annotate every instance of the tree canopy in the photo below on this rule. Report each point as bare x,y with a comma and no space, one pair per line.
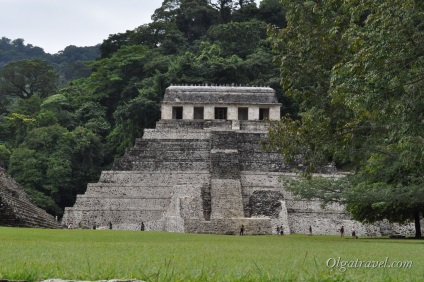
68,63
27,78
356,70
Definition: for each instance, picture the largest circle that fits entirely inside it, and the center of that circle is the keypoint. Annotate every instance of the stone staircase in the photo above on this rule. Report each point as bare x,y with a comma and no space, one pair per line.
177,151
203,180
127,198
16,208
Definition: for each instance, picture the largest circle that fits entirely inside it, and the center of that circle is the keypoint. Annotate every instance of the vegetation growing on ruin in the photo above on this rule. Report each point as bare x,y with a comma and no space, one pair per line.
34,254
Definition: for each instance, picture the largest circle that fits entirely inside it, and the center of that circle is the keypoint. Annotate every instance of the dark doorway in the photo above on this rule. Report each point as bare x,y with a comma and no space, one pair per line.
263,114
198,113
243,113
177,112
220,113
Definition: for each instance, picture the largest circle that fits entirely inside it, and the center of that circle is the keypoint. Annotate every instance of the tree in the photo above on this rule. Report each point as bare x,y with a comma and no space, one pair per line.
167,12
358,80
114,43
15,50
161,35
224,7
54,164
271,11
194,18
247,11
114,79
4,156
28,77
239,38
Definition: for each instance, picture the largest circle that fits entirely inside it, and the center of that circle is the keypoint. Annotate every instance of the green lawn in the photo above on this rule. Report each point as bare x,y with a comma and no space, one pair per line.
34,254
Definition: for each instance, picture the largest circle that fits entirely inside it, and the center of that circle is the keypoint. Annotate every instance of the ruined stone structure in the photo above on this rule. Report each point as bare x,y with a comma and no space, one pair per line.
16,208
202,170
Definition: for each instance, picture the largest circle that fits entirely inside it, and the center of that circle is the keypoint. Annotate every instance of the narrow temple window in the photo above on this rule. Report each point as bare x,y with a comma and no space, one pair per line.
243,113
177,112
220,113
263,113
198,113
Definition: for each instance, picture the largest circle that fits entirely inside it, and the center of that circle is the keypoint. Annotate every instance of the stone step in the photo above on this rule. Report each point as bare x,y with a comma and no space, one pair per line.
176,134
107,202
149,178
113,190
172,144
167,166
102,217
255,179
230,226
169,154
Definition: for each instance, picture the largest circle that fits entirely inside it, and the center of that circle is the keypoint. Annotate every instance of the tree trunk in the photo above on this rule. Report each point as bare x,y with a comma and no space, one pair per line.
417,224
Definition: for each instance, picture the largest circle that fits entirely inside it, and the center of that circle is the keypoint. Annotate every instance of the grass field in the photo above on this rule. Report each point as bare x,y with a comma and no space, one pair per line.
34,254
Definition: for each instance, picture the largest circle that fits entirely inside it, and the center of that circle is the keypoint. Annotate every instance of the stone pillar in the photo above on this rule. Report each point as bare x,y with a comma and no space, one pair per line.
232,113
188,112
209,112
253,113
274,113
166,111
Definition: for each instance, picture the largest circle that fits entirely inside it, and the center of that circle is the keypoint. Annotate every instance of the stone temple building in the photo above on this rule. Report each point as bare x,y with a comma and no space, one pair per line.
202,170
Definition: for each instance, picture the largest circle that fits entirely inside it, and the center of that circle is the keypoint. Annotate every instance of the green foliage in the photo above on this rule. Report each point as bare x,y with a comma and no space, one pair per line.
93,116
241,39
164,36
194,18
18,124
356,70
4,156
16,50
27,78
272,12
69,63
53,163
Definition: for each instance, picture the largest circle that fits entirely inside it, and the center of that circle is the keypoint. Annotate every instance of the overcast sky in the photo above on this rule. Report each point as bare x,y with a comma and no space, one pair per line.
55,24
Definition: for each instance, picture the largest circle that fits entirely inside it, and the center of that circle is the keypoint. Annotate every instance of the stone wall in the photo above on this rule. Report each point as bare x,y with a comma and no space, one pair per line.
211,97
209,111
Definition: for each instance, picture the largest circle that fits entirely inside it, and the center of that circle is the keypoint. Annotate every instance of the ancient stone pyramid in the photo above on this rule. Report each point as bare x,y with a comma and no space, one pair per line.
202,170
16,208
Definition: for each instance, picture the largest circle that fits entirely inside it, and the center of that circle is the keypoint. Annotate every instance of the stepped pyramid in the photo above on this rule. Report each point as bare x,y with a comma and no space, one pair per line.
16,208
202,170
